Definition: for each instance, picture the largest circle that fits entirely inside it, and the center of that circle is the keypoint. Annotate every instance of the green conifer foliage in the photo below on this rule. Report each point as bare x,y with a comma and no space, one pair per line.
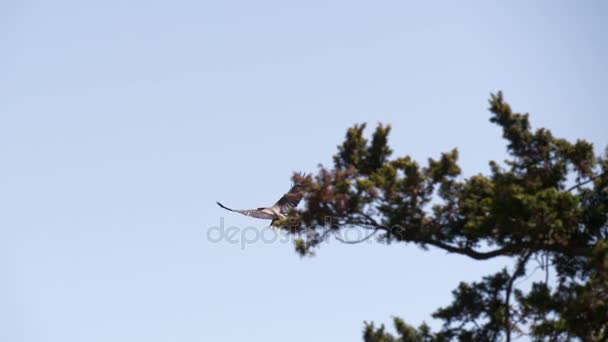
527,208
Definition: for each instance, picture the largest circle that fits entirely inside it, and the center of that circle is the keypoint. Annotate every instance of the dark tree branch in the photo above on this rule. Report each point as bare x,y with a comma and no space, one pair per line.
519,271
578,185
505,251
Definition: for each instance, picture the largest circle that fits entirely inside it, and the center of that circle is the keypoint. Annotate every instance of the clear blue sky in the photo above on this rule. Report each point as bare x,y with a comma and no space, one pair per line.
121,124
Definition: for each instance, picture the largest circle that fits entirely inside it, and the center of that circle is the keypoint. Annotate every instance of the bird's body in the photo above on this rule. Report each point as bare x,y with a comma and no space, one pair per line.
280,209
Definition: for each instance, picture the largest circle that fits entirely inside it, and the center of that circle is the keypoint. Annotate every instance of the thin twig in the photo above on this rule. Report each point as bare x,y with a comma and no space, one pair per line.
357,241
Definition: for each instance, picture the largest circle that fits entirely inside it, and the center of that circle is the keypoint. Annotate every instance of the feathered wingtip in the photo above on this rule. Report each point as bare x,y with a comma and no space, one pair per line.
223,206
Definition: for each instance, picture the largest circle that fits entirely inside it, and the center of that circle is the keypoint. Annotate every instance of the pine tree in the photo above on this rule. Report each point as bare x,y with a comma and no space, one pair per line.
546,205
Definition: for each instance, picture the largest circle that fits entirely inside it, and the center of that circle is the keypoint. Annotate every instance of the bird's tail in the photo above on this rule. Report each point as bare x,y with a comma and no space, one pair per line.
223,206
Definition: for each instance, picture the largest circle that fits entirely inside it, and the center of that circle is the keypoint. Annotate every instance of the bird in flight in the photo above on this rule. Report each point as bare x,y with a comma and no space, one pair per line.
280,209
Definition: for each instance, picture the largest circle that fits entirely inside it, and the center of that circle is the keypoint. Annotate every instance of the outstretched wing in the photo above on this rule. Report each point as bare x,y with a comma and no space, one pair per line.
291,199
257,213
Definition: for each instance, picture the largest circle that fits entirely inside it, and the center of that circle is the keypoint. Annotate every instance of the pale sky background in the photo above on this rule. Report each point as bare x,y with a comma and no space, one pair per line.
122,122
